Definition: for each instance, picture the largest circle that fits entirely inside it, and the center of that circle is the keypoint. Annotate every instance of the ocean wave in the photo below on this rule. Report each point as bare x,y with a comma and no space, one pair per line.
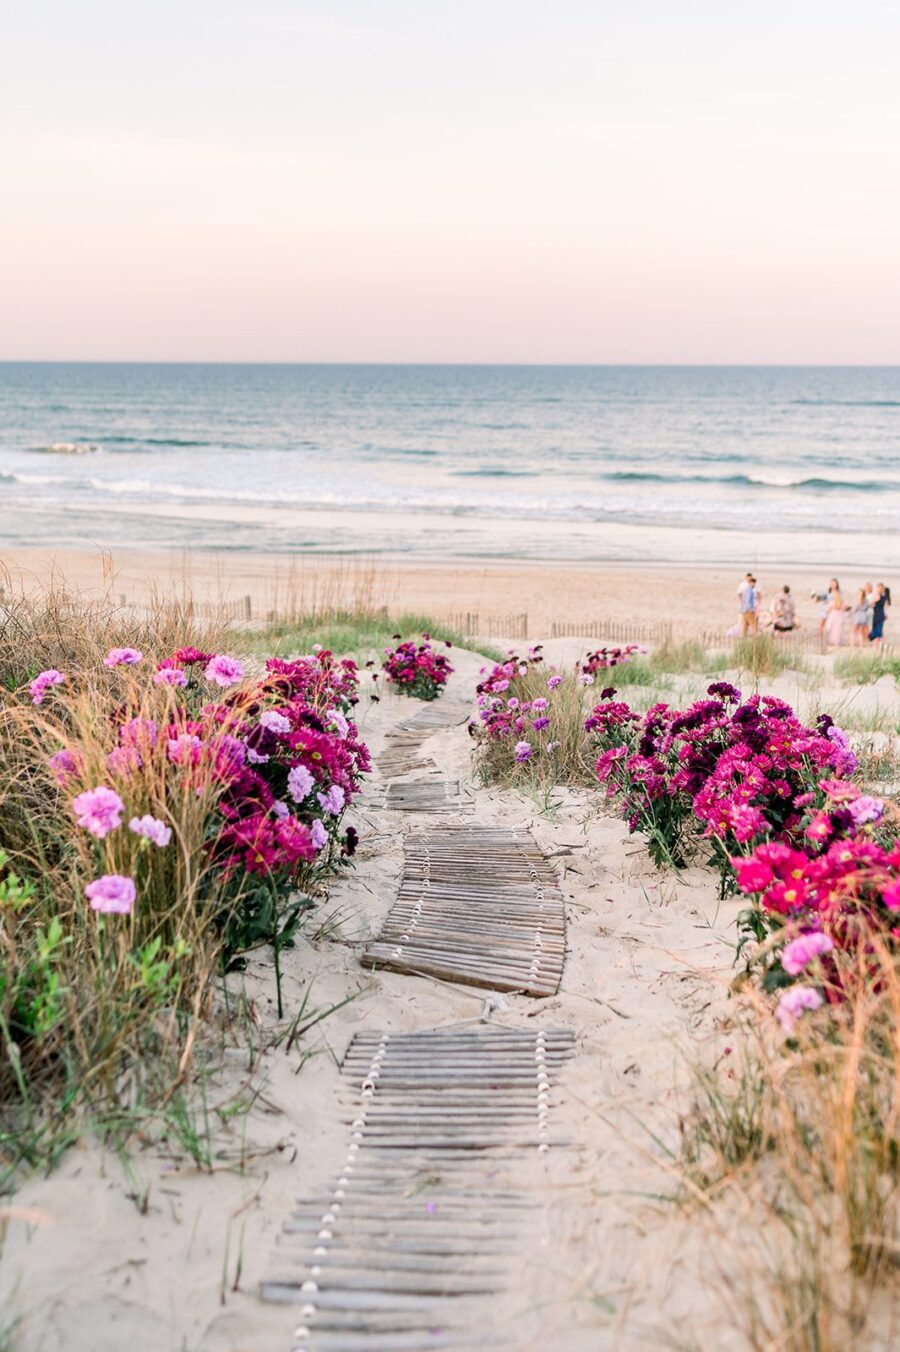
811,484
496,474
177,442
846,403
66,448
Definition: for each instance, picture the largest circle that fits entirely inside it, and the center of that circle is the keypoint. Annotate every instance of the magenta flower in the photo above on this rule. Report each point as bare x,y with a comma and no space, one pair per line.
42,683
891,896
224,671
98,811
112,894
173,676
794,1003
183,749
553,682
151,828
524,752
802,950
123,657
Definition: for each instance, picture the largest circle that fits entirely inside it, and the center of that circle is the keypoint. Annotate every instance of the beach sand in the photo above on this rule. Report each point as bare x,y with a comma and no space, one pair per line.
607,1262
694,597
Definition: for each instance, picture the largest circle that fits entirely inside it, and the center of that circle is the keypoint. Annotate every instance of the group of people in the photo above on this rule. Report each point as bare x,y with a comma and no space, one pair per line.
868,614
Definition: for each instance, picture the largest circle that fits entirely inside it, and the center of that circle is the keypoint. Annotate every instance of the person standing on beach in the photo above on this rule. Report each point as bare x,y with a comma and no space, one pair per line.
748,601
834,621
859,620
879,617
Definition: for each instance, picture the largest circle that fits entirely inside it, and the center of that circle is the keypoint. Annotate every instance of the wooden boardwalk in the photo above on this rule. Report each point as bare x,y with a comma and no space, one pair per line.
479,905
404,1250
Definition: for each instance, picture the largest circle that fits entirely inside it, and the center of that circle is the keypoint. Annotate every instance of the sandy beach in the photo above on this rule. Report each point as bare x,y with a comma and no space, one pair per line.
693,597
605,1260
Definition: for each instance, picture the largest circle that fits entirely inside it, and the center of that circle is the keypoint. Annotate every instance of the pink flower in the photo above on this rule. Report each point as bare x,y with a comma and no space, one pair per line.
111,894
553,682
753,875
170,676
802,950
273,721
123,657
42,683
151,828
184,749
224,671
865,808
891,896
793,1004
98,811
524,752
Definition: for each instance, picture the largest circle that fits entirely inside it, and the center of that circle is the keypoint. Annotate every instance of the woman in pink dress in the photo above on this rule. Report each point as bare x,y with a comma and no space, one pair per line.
834,621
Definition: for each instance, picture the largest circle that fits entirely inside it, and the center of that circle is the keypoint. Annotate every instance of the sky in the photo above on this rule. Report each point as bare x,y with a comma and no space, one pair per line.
320,180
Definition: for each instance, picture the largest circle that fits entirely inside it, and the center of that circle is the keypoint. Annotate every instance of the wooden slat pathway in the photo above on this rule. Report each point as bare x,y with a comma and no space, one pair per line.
403,744
478,905
426,795
407,1248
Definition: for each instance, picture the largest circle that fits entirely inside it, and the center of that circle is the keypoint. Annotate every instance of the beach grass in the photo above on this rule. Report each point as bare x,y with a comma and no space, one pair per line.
863,667
358,633
798,1140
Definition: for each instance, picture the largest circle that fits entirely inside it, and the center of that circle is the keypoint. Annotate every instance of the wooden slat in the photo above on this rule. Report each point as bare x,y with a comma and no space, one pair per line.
410,1244
476,905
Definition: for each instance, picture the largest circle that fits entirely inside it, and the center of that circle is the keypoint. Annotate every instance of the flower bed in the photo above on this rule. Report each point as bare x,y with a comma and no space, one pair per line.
418,671
185,814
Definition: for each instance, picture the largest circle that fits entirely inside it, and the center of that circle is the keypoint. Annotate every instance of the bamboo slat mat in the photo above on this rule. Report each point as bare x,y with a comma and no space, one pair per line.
407,1248
478,905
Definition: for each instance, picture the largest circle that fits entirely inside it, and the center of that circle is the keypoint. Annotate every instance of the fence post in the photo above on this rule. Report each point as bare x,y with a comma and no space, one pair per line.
248,608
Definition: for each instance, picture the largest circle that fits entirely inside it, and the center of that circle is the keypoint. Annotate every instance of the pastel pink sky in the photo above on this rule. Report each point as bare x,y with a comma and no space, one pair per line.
596,181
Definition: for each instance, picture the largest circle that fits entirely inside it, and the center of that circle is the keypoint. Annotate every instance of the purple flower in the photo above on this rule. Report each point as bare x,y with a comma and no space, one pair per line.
333,801
524,752
273,721
300,783
540,723
281,809
802,950
551,746
553,682
339,722
170,676
792,1005
41,684
123,759
224,671
151,828
585,678
98,810
123,657
65,766
139,732
184,749
319,834
865,808
111,894
539,703
256,757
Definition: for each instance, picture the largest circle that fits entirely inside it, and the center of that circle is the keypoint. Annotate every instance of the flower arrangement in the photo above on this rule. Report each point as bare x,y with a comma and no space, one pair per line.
604,658
730,770
417,670
529,724
219,791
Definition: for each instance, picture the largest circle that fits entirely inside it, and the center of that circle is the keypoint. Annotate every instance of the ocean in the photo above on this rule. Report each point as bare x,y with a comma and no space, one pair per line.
584,462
